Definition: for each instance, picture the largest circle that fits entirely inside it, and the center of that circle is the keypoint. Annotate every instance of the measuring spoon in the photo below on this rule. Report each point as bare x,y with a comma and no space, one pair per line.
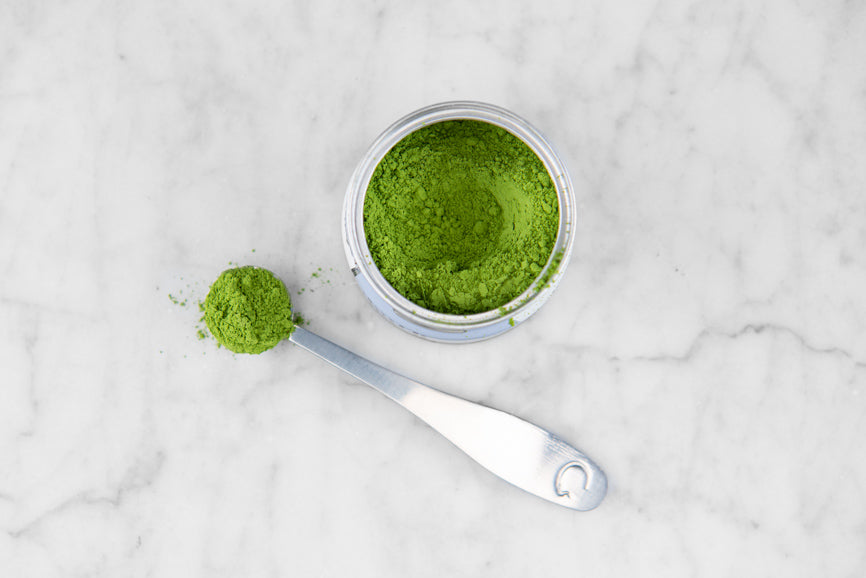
517,451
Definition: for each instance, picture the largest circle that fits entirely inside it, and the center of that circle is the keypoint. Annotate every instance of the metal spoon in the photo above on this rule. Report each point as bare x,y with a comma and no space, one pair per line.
517,451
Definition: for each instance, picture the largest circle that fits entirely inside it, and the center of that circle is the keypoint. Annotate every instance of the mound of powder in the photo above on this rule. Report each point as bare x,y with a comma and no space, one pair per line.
248,310
461,217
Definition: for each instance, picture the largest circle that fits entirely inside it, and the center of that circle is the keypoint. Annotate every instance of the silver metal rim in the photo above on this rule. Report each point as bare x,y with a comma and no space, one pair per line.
431,324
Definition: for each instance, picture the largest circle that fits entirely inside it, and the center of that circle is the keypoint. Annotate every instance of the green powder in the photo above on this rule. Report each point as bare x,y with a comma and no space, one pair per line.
248,310
461,217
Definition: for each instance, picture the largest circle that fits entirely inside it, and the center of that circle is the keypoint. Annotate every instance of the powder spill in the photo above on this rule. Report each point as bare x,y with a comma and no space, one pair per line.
248,310
460,217
177,300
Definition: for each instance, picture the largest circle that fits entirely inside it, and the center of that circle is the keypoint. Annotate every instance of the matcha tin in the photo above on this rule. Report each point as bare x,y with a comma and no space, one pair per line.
458,222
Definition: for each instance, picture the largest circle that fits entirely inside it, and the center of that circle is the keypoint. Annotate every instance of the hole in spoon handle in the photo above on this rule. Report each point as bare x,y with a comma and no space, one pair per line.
579,484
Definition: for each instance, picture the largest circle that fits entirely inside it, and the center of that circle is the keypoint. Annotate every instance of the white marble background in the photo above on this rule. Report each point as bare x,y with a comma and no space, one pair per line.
706,346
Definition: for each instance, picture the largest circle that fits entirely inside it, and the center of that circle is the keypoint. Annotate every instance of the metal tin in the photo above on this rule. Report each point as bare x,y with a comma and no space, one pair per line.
431,324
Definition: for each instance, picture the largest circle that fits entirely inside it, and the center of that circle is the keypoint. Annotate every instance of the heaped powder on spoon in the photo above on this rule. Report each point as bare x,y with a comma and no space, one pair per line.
248,310
460,217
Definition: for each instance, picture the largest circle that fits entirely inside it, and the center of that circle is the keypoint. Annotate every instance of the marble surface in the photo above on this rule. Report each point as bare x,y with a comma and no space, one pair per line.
706,345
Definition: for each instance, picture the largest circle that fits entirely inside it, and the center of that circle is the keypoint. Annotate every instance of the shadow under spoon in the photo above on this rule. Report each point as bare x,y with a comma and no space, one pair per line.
517,451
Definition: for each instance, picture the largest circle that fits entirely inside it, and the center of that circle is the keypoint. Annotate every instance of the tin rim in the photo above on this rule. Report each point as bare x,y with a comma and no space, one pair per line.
443,326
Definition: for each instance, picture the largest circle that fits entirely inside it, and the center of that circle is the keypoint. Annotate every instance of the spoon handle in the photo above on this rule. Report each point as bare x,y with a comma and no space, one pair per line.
517,451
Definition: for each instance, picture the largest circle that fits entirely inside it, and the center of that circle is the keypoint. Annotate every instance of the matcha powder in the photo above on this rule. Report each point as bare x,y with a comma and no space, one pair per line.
248,310
460,217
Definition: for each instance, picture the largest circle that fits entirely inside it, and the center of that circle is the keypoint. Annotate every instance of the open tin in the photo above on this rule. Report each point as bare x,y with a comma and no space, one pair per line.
431,324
